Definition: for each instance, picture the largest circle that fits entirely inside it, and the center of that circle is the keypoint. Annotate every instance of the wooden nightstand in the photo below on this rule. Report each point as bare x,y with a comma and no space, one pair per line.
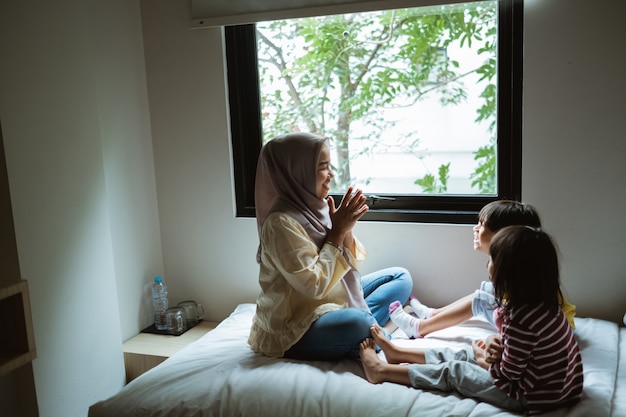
147,350
16,327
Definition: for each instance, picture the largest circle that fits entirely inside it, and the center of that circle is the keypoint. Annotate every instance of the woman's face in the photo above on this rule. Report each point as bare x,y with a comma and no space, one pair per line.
482,238
324,174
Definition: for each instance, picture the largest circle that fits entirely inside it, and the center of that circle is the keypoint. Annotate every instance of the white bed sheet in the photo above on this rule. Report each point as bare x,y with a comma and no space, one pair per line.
619,399
219,375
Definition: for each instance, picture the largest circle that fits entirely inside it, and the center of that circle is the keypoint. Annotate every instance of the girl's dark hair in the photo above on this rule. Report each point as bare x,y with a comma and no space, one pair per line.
525,268
502,213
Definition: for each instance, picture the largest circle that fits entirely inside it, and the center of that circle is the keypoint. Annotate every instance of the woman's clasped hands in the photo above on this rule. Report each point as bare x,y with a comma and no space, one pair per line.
350,210
344,217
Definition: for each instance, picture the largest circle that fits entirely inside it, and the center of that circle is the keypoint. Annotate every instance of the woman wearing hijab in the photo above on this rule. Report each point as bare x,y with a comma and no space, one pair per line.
313,304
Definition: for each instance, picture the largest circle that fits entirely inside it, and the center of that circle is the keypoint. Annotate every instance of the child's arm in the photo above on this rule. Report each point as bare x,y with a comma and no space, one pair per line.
512,367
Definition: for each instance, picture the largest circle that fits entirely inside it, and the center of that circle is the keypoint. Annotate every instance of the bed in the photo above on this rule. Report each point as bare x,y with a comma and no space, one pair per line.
219,375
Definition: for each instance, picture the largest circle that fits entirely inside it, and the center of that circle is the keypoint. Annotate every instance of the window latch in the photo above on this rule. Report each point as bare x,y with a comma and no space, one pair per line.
373,199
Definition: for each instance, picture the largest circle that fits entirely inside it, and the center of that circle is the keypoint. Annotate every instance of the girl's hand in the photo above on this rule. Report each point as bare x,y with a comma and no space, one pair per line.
478,346
493,349
344,217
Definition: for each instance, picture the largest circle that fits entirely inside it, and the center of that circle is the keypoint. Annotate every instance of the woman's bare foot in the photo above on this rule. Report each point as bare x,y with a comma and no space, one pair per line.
378,371
389,349
370,361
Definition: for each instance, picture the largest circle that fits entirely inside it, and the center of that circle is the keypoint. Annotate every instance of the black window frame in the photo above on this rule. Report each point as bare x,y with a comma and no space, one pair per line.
246,130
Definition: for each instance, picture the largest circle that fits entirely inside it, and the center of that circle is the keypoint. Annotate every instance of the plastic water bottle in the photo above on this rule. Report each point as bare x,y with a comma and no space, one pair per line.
159,302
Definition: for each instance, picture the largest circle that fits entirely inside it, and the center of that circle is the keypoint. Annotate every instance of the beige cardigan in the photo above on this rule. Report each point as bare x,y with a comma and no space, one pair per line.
298,283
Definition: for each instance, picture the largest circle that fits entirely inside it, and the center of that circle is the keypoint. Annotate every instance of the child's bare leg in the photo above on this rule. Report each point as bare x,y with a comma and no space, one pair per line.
450,315
377,371
393,353
454,304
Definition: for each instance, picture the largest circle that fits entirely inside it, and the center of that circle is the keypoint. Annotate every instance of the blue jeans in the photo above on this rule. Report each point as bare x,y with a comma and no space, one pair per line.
337,334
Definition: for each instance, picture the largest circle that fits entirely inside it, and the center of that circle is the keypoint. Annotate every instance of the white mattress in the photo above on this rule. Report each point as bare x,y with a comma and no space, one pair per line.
219,375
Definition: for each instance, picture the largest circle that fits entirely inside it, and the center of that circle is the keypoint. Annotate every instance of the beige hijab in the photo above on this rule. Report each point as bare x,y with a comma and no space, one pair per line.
285,182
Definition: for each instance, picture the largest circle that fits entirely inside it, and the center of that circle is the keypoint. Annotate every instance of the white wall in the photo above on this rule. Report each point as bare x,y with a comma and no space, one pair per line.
74,110
207,253
74,113
574,165
129,165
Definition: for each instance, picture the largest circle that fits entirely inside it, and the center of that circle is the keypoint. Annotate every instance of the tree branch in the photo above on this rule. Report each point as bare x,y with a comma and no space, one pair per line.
281,65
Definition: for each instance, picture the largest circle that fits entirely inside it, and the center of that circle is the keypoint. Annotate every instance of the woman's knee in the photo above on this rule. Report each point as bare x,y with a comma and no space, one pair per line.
403,278
347,318
358,318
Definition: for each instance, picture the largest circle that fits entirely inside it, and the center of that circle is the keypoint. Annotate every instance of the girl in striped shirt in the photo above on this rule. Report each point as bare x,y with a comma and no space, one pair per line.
532,365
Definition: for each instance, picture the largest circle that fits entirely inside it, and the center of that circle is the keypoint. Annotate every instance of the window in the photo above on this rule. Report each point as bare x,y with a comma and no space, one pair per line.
260,107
